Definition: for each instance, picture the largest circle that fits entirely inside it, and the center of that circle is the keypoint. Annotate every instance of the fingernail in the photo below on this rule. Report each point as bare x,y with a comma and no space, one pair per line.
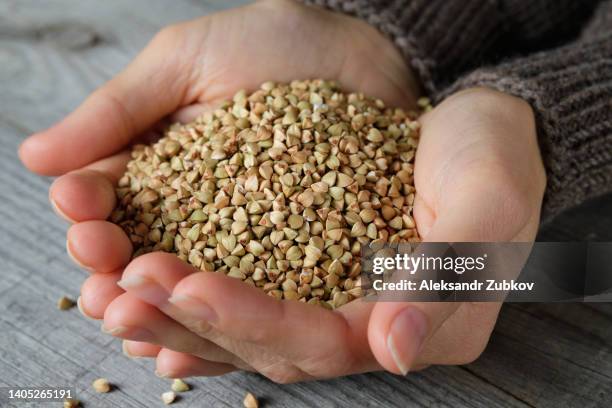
162,375
125,350
146,289
75,259
194,307
406,336
80,307
131,282
114,331
131,333
59,211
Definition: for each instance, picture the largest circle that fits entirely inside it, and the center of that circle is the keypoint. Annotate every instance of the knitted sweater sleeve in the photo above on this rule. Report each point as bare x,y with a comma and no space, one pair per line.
531,49
442,39
570,90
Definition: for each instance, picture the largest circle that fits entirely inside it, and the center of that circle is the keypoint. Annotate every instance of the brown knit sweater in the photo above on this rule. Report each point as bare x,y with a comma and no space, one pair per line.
556,54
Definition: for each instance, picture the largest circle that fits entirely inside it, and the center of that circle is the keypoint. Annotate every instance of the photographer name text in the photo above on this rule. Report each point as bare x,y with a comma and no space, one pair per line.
442,285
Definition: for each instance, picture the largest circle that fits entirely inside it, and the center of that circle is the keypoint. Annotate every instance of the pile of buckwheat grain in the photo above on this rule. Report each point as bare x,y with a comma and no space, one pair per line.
280,188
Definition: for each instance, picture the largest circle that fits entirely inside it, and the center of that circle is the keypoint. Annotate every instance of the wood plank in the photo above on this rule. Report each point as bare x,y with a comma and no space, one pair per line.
585,318
53,53
545,363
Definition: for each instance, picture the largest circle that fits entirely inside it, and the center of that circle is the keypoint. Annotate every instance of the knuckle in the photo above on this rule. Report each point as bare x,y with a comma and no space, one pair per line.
170,33
282,374
141,265
201,328
278,370
197,283
197,280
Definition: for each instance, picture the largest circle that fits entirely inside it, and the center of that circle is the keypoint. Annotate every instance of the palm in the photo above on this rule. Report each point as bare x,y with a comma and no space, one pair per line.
282,41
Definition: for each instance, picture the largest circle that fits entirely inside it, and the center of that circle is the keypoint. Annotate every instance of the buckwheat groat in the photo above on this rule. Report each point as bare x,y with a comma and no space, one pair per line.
279,188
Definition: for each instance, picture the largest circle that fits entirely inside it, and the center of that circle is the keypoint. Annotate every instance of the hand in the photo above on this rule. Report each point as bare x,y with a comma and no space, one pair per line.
195,64
479,177
509,154
186,68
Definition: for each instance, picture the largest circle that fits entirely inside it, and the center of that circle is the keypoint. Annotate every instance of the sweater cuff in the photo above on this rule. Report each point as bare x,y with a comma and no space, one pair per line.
570,91
436,37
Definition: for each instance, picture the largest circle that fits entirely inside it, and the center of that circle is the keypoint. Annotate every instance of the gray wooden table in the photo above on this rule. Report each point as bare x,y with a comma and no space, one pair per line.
52,54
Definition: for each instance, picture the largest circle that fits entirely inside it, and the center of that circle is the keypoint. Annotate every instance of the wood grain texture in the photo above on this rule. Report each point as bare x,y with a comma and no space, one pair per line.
52,54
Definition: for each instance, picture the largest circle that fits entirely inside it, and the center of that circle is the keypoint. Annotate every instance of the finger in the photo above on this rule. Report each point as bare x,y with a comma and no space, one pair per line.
357,315
83,195
260,320
138,349
254,322
174,364
473,219
97,292
89,193
129,318
164,273
112,167
98,245
152,86
152,277
462,337
399,331
459,332
424,216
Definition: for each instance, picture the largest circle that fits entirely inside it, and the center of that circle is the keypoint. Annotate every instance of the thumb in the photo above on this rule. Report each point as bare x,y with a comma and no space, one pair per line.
152,86
398,331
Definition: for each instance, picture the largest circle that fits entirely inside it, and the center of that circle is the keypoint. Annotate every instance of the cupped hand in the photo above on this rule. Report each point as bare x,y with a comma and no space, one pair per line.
186,68
478,175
